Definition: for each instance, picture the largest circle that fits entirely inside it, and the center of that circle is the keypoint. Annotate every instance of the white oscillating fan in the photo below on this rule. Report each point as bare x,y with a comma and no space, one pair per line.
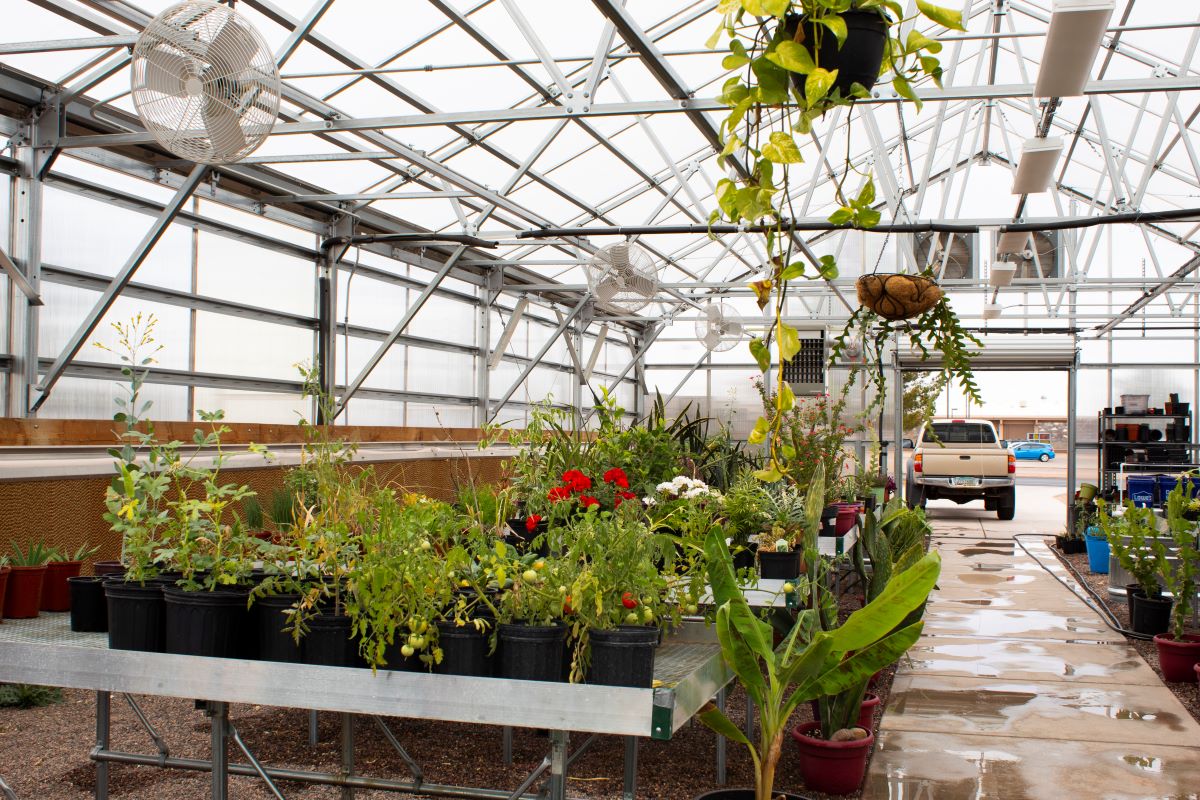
205,83
718,328
623,276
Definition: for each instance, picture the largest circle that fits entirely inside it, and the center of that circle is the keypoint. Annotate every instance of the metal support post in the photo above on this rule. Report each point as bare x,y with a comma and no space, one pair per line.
557,788
326,332
898,429
163,751
347,754
541,353
483,340
631,754
1072,441
312,728
219,712
103,727
506,741
254,764
413,766
722,743
26,233
118,283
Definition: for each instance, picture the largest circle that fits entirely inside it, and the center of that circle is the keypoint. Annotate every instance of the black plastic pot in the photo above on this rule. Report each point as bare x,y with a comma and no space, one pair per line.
828,521
623,656
270,618
204,623
743,557
1150,615
464,650
136,616
858,60
89,609
395,660
532,652
1130,590
109,569
781,566
328,642
520,538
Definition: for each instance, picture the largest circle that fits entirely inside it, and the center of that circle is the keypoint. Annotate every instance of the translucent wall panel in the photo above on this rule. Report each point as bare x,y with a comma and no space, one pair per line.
66,307
372,303
83,398
85,234
243,406
451,416
389,373
239,272
441,318
245,347
372,411
441,372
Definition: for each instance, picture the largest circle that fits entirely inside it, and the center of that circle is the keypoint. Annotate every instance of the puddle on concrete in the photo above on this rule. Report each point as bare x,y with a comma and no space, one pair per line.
1172,721
1145,763
983,551
959,703
985,578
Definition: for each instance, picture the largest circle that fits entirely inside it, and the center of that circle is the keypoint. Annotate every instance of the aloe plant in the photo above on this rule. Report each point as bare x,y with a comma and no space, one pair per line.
35,555
777,680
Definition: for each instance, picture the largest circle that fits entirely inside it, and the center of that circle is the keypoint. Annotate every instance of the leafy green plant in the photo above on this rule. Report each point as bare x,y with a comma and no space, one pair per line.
1181,577
779,87
777,680
36,554
82,553
252,514
26,695
1133,539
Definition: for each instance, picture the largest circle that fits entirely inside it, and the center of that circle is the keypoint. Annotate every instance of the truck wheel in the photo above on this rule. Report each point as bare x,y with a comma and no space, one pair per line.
1044,457
915,496
1006,507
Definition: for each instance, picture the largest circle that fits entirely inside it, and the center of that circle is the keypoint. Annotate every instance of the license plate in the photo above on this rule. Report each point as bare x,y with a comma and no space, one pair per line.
966,481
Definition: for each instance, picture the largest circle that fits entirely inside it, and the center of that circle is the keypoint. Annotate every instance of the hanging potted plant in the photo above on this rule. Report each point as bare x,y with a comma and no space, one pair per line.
789,59
1179,650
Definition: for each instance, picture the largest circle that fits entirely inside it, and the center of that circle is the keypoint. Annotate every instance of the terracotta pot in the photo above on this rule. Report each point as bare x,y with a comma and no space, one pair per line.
106,569
896,297
847,517
831,767
24,593
4,572
1178,659
56,595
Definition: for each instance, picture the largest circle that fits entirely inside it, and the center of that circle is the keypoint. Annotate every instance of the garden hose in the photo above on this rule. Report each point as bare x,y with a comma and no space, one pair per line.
1091,599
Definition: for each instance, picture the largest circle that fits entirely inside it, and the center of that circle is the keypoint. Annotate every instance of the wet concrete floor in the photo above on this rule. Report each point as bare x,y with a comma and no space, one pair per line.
1017,689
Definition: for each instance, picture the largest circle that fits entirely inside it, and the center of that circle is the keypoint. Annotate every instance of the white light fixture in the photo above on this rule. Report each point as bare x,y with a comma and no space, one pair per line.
1038,159
1076,30
1012,242
1002,273
991,310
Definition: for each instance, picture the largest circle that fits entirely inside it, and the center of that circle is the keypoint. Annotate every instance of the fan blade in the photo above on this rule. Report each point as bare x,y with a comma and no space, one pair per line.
646,287
231,51
711,339
619,257
166,71
732,328
607,289
713,313
223,126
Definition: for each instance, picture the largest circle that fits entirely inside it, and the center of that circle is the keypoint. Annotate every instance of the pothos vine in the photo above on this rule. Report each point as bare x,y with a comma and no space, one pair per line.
779,87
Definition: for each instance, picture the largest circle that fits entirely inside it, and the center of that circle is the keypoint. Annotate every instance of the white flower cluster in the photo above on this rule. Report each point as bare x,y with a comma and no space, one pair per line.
685,487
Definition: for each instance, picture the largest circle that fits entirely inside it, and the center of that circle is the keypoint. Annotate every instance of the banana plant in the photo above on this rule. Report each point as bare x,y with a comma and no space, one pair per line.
804,667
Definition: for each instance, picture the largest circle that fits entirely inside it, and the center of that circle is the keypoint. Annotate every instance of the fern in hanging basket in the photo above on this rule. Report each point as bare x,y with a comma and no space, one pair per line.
898,296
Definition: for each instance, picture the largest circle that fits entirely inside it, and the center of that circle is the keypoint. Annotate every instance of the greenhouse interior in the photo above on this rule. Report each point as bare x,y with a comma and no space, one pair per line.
599,399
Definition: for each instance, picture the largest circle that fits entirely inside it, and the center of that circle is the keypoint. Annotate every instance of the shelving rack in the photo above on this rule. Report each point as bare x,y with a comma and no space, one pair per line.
1154,454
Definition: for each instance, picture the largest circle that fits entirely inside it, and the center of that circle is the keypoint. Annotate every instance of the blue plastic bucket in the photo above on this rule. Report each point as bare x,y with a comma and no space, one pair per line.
1097,550
1166,485
1142,490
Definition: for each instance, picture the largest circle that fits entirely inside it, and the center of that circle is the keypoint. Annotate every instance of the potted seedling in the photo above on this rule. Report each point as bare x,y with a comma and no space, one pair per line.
24,593
778,556
1178,650
56,595
531,631
1134,540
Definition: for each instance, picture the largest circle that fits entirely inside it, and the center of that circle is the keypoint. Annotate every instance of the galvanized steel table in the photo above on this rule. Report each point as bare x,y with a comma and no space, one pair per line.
45,651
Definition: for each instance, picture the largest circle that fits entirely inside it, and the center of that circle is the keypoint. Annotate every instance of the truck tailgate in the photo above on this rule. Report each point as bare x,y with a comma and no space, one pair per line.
989,462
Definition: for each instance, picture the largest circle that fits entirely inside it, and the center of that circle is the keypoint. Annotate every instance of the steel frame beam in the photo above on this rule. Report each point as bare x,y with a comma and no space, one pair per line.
123,276
541,353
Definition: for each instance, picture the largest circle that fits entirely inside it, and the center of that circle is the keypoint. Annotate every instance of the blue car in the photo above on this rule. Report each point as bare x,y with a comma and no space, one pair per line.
1039,451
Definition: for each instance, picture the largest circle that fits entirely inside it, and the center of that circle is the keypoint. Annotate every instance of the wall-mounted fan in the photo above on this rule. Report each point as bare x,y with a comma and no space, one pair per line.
205,83
957,249
623,276
719,328
1046,245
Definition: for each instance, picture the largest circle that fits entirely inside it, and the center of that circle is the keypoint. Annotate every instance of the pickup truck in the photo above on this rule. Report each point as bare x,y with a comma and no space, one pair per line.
962,460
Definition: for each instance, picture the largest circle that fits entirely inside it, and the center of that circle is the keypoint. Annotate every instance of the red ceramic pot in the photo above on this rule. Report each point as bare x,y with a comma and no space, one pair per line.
24,593
1178,659
3,588
831,767
847,517
56,595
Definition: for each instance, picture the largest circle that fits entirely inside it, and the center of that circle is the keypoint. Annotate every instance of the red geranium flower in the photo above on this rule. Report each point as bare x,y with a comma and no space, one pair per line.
558,493
622,497
586,500
576,480
531,522
617,475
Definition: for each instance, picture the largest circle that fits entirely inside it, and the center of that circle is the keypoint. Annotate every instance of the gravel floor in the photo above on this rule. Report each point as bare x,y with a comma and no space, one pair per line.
1188,693
43,753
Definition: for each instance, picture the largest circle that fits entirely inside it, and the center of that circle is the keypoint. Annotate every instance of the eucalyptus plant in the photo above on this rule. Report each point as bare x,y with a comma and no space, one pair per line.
779,87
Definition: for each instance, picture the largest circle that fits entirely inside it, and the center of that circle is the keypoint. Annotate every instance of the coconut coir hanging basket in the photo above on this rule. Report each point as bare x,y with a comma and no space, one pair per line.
896,297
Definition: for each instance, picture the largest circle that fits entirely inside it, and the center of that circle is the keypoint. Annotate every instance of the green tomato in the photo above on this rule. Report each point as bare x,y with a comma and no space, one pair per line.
425,544
631,618
529,576
692,608
647,616
407,651
788,588
415,641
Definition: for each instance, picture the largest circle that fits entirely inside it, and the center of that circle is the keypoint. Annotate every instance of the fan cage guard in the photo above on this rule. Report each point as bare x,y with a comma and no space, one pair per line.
623,276
205,83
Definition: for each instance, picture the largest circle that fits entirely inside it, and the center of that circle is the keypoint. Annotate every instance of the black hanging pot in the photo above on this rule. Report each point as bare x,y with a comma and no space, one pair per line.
858,61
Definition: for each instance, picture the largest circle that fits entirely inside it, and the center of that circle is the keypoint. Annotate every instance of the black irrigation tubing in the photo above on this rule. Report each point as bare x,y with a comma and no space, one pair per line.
1107,616
911,227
